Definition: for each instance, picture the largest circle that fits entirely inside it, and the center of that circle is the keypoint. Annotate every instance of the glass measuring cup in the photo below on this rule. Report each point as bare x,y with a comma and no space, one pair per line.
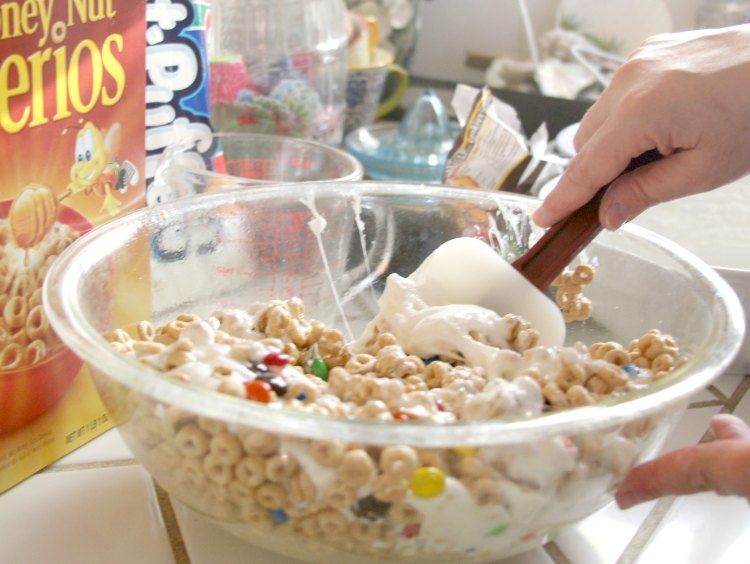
248,161
278,66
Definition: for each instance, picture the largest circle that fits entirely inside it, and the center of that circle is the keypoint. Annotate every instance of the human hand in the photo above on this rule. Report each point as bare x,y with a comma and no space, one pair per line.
684,94
722,466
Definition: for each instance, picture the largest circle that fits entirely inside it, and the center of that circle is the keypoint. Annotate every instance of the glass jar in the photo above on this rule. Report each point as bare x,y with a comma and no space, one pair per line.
279,66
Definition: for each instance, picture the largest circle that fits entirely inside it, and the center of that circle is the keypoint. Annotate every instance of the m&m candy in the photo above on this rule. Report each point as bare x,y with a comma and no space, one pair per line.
319,368
259,391
427,481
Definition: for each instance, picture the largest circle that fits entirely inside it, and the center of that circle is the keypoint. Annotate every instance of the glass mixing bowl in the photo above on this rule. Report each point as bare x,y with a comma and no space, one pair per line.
208,162
270,475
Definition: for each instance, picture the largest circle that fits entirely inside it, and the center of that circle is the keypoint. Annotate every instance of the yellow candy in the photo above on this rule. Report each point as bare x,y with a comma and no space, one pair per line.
427,481
466,452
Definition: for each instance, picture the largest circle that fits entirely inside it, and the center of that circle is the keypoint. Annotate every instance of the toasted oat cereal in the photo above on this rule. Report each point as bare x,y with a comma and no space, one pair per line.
255,365
388,500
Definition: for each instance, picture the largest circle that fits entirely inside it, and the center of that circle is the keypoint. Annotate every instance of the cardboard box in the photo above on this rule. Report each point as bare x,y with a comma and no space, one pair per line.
72,132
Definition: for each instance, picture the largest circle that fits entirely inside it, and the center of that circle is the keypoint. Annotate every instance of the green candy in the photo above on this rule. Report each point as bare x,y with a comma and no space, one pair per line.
497,531
319,368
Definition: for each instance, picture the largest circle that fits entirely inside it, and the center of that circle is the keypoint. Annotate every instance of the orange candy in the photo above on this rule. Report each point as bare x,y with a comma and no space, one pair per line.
258,391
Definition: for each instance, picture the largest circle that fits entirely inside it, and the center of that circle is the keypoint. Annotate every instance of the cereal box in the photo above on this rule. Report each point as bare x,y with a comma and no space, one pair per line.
72,132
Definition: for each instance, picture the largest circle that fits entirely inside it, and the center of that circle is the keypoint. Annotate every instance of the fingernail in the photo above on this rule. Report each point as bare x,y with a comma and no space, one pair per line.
537,218
616,216
627,500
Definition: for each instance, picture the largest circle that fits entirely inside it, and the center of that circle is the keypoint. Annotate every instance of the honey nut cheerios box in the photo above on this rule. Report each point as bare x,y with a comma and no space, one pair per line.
72,133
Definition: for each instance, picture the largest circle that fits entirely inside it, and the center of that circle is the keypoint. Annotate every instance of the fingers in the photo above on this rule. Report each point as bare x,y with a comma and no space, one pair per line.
674,176
569,195
601,159
722,466
592,120
677,175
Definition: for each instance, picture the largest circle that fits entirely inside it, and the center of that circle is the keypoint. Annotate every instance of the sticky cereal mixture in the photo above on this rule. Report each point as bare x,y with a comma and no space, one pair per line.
272,354
393,501
25,335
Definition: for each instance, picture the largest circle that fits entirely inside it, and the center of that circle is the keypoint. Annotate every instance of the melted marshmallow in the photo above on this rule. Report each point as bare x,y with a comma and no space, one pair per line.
441,531
462,289
468,271
211,355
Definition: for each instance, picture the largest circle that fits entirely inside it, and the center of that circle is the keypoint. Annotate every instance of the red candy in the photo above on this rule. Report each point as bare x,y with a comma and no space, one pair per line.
259,391
411,530
276,359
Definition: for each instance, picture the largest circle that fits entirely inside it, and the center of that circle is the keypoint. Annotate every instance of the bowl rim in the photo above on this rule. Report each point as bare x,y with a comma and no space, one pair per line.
67,319
188,142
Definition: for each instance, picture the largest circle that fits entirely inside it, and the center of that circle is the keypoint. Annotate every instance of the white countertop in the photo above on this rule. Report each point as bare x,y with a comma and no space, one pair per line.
714,225
99,505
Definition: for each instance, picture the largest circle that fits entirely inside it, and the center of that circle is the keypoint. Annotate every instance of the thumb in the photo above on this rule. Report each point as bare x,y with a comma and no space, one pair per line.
722,466
727,427
676,175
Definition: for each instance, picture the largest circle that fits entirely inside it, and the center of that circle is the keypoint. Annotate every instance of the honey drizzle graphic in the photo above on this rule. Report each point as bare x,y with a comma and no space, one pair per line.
33,213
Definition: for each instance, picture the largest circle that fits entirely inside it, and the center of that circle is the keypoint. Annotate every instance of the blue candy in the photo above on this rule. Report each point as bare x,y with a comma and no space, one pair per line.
279,516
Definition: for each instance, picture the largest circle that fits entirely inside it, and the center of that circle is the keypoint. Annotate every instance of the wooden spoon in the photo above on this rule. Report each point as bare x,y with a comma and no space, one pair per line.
547,258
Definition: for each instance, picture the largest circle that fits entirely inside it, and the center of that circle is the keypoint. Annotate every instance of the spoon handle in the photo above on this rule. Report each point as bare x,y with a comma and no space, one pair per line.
547,258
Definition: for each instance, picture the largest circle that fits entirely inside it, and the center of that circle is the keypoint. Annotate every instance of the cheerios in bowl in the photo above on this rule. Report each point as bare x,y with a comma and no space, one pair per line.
326,374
